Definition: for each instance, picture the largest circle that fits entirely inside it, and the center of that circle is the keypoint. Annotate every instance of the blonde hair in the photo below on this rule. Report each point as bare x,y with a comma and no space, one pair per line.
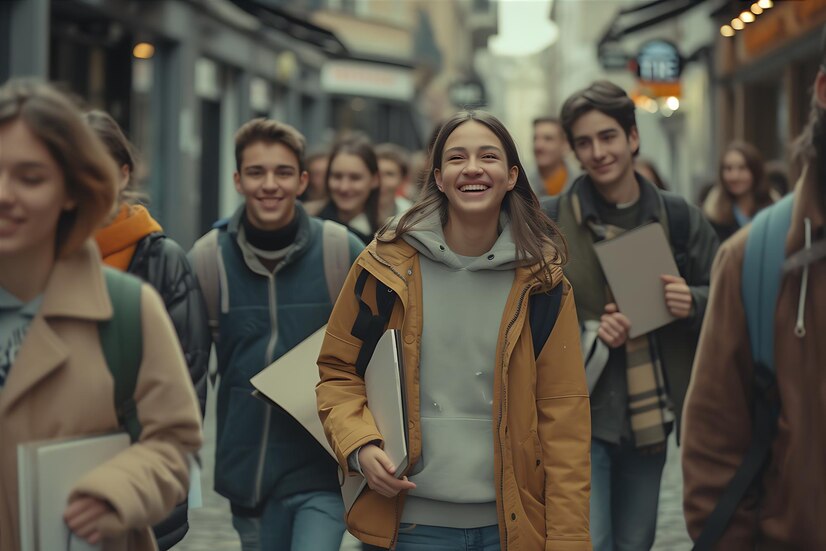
89,172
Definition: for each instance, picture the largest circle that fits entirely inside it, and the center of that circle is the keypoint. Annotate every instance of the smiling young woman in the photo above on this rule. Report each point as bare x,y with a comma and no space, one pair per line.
353,187
464,263
57,184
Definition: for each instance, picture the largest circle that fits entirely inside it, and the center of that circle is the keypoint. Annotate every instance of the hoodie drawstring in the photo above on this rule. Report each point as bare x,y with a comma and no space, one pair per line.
800,327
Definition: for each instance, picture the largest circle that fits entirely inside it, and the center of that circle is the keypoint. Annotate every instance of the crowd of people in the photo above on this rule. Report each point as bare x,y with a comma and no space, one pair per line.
538,418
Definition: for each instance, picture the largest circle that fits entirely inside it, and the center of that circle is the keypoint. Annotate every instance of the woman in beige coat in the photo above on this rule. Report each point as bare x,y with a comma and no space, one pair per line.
57,183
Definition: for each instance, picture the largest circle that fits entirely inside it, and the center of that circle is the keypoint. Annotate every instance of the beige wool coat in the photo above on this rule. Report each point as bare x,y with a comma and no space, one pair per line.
59,386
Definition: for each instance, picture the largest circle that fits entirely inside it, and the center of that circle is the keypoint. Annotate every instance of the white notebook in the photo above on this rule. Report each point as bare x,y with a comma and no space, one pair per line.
290,383
46,473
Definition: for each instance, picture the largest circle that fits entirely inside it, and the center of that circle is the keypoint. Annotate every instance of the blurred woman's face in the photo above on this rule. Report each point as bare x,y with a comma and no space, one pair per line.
33,193
737,178
350,184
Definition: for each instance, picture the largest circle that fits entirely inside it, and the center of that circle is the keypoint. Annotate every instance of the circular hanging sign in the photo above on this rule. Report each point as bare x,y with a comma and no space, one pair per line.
658,61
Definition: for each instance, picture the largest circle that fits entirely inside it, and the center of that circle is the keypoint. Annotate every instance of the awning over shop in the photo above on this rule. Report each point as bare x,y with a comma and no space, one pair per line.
293,25
645,15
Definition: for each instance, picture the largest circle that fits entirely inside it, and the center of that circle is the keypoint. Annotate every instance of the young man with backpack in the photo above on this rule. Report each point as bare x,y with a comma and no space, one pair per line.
754,444
270,276
637,387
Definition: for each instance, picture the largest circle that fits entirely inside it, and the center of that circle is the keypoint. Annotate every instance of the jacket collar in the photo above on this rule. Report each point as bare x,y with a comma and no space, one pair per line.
298,247
584,195
77,290
76,287
807,204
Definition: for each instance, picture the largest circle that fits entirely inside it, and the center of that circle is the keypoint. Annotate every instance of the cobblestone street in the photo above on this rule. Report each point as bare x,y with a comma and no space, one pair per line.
211,526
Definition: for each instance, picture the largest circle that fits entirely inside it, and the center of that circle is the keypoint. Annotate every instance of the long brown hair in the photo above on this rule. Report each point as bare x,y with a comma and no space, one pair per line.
122,151
719,205
88,170
531,228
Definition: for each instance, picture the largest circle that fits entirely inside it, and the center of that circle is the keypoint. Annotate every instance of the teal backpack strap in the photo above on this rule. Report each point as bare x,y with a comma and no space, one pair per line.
762,270
122,344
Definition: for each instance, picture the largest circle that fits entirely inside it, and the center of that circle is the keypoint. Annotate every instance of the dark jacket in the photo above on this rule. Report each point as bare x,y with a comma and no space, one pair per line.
162,263
677,341
262,452
329,213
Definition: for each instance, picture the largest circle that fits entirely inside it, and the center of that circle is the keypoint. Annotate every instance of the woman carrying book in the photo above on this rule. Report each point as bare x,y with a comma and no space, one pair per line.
498,432
57,184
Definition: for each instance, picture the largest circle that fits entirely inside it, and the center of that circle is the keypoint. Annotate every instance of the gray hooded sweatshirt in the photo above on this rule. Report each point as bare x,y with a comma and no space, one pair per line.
463,304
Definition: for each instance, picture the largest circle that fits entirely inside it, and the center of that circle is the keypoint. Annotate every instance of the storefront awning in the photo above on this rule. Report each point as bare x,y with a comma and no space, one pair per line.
645,15
292,25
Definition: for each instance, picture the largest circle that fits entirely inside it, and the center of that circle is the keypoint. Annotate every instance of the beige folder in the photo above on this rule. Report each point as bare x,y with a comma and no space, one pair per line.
290,383
633,263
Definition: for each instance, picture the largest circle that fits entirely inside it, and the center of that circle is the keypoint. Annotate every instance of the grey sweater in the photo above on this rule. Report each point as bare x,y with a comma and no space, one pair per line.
463,304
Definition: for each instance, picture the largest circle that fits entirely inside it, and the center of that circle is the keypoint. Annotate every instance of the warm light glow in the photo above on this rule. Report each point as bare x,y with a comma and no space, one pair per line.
727,31
756,9
747,17
143,50
673,103
737,25
765,4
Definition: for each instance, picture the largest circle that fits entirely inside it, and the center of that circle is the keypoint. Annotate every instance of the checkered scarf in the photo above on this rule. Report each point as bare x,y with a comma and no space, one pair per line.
649,409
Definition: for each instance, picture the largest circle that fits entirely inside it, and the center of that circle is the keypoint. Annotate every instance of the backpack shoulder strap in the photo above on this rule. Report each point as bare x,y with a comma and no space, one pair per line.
336,250
544,310
206,261
762,270
677,211
121,339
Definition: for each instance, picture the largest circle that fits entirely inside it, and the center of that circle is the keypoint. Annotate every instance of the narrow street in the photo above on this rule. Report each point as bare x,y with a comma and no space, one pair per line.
211,526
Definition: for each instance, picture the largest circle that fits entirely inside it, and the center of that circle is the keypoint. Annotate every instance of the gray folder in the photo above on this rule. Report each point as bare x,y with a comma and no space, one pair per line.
633,263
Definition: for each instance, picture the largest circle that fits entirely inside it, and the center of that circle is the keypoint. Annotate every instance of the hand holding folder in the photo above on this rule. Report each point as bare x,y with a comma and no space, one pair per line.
290,383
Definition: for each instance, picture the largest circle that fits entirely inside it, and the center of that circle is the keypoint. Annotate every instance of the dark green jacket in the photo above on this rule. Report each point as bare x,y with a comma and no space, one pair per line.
677,341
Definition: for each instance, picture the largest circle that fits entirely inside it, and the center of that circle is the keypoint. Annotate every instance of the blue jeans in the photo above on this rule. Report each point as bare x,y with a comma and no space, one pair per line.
625,493
418,537
311,520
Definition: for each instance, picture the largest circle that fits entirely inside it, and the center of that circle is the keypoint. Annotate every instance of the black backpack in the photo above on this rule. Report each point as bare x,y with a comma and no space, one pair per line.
369,328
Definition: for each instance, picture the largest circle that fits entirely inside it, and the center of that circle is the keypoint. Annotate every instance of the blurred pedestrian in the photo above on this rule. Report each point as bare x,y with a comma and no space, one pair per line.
638,396
758,391
777,173
57,184
647,169
315,196
264,275
353,186
742,190
477,231
394,176
551,175
134,242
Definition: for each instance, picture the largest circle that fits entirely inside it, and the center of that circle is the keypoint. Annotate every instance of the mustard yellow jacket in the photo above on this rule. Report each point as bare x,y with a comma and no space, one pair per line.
541,419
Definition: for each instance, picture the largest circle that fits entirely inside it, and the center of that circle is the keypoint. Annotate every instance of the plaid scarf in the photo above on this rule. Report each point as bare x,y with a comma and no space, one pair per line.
649,409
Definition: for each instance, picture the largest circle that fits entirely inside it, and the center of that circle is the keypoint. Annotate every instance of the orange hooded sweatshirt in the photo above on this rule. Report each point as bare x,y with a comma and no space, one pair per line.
118,240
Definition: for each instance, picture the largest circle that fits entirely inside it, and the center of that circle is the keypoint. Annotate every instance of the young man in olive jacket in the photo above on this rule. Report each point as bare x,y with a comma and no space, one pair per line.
638,396
273,293
787,505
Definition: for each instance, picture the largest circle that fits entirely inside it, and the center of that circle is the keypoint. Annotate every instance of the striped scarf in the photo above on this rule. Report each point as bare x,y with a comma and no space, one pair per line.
649,409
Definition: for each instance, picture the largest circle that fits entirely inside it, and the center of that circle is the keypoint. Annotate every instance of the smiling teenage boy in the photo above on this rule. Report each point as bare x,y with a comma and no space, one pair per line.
270,262
639,394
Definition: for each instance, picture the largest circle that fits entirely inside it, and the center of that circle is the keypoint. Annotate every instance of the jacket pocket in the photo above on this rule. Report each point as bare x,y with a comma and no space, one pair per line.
529,468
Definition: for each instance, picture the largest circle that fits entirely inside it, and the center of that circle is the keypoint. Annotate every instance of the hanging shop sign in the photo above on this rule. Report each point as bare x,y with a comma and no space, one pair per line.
658,66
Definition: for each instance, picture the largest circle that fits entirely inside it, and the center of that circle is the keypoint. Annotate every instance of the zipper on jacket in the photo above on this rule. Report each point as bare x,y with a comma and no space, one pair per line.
265,435
383,262
503,402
